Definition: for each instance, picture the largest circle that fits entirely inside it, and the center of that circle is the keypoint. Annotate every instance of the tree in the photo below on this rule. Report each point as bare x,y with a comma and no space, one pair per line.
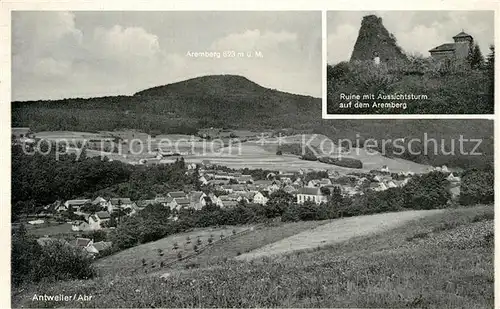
475,58
277,203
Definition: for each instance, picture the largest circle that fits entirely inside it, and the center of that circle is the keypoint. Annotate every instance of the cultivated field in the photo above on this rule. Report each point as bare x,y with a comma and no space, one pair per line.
253,154
337,231
443,260
129,262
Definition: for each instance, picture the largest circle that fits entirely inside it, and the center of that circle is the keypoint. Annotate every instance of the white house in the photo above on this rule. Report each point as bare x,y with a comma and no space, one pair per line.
311,194
100,201
80,226
120,202
259,198
453,178
96,220
197,200
75,204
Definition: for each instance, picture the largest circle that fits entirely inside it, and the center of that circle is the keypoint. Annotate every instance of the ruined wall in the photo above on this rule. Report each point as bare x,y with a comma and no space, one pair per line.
374,37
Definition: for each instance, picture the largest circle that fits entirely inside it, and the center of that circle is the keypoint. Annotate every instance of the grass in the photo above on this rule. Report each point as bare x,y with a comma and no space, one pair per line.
129,262
383,270
261,236
337,231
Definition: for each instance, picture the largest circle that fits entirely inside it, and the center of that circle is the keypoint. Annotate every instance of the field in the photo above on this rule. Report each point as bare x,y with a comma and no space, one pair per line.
444,260
337,231
129,261
253,153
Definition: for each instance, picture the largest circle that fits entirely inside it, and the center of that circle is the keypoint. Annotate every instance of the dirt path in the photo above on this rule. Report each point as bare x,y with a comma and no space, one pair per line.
338,231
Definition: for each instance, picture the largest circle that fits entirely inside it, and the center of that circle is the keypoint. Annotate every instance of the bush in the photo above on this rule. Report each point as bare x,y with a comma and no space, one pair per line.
343,162
477,187
55,260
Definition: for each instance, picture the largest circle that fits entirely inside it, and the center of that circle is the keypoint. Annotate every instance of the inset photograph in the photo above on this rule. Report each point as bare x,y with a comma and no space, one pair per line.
410,62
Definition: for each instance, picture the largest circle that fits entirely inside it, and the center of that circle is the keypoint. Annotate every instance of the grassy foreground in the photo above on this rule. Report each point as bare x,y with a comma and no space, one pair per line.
441,261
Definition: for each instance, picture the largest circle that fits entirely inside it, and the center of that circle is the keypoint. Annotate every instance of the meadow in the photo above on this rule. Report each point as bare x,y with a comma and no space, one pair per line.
444,260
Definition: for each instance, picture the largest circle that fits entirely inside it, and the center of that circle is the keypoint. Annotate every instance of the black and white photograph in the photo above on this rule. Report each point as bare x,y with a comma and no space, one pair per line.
179,159
410,62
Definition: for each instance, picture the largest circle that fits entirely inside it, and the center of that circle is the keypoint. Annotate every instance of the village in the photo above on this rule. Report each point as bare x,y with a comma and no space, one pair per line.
224,189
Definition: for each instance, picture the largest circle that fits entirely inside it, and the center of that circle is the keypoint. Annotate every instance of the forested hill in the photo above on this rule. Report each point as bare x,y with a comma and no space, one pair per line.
183,107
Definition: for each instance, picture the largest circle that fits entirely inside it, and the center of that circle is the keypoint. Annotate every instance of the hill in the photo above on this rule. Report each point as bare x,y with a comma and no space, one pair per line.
424,263
183,107
235,102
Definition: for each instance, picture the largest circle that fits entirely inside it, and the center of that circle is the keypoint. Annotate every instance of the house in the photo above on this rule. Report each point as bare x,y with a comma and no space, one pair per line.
120,202
298,182
203,180
80,226
458,50
83,242
453,178
215,200
289,189
197,200
191,166
378,186
100,201
180,203
177,194
244,179
311,194
218,182
325,182
260,198
141,204
313,183
98,247
238,188
261,184
75,205
96,220
391,184
286,180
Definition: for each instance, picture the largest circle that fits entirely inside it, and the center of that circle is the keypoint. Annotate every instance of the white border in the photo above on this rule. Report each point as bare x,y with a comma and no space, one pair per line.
208,5
486,6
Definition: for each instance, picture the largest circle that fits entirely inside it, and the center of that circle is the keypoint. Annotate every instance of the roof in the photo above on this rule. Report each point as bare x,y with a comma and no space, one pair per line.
462,34
144,203
196,196
443,47
77,202
177,194
229,203
289,189
98,200
103,215
122,200
182,201
309,191
102,245
262,182
82,242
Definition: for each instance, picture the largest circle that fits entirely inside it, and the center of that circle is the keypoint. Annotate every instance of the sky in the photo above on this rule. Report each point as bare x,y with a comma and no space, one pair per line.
93,53
416,31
